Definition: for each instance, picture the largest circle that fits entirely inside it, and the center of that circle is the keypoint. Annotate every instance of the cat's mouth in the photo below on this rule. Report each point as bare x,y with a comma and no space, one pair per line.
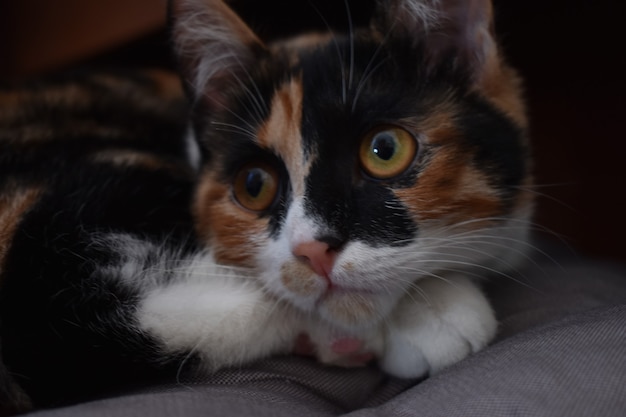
331,296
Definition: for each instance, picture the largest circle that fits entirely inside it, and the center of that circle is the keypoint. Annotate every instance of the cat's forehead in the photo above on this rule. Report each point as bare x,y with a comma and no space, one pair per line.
281,132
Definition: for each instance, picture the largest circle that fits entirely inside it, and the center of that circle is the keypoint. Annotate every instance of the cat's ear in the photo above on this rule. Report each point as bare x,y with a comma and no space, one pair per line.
213,47
463,28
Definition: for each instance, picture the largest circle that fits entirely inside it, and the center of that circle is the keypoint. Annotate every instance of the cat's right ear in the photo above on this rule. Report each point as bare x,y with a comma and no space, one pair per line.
213,46
464,27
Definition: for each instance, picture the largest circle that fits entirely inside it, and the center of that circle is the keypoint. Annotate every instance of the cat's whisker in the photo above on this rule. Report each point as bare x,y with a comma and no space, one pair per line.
244,121
532,189
484,254
344,91
522,225
409,288
237,129
351,41
369,70
478,266
527,254
363,82
259,107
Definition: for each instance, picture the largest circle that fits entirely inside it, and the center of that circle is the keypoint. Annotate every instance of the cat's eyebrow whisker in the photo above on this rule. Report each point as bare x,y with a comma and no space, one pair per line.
344,91
369,71
245,122
258,97
259,106
228,127
351,40
362,82
206,72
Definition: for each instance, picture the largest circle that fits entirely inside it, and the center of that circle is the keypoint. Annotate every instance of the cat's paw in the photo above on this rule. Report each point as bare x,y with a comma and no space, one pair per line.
436,326
338,348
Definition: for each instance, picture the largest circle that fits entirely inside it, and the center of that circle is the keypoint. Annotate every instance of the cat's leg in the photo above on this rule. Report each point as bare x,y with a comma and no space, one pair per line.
439,323
218,316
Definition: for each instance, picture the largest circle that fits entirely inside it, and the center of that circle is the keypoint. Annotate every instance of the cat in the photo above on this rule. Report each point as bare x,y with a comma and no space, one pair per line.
343,191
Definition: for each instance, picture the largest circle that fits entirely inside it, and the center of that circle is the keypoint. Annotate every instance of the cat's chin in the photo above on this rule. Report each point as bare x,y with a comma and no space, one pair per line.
352,308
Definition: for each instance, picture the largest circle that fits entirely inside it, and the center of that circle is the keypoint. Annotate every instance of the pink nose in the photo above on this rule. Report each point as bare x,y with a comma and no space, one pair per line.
319,255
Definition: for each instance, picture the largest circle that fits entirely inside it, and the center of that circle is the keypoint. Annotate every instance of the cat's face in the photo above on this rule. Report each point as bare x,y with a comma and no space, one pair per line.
344,168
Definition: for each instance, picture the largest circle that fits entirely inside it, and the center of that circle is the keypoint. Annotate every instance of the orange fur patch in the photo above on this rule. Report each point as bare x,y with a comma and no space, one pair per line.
449,190
125,158
502,86
234,234
13,205
293,47
298,278
281,132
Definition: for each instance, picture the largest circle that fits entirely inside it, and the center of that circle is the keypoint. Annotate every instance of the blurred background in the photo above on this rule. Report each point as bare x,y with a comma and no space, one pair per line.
571,54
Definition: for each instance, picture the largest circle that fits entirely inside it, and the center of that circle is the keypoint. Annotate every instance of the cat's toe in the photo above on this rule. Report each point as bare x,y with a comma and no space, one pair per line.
424,351
404,360
424,338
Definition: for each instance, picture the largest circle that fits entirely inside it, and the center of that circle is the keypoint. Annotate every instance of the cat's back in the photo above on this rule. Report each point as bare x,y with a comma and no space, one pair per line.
117,117
90,137
83,159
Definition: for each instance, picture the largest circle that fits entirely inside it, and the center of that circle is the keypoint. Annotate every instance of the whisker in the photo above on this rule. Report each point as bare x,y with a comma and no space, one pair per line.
232,128
368,72
351,40
258,103
363,81
479,266
548,197
344,91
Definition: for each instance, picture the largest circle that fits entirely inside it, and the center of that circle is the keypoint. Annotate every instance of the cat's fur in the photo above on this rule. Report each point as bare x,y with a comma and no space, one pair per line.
103,280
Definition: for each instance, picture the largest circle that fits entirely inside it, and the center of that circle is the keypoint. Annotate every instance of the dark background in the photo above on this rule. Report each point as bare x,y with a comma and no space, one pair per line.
571,54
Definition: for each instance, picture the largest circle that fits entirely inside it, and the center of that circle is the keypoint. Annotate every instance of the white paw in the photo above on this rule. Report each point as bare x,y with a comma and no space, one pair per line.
436,326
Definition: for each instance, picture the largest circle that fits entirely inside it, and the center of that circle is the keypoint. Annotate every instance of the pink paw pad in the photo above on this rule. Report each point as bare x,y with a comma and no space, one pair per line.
347,345
352,349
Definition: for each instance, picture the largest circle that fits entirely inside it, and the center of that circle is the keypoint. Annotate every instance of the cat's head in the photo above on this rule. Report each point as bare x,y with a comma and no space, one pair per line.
345,167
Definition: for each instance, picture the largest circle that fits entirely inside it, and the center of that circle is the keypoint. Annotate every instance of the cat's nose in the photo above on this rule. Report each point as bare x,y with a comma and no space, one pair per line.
320,256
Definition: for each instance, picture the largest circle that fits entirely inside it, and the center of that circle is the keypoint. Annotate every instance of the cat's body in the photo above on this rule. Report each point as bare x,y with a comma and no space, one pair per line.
352,189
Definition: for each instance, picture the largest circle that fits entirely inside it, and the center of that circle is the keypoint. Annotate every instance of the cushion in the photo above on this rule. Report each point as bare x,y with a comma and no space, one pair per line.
560,351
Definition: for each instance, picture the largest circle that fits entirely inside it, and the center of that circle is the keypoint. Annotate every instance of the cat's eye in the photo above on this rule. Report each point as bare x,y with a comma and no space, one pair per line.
387,152
256,187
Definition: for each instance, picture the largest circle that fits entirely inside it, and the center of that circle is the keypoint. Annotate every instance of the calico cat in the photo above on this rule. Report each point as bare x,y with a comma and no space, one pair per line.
345,188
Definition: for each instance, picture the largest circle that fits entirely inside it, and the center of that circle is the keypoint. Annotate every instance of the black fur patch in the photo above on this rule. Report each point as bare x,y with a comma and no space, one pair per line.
67,331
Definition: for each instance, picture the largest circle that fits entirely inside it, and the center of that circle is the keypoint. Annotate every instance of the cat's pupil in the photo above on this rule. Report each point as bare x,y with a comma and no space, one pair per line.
255,181
384,146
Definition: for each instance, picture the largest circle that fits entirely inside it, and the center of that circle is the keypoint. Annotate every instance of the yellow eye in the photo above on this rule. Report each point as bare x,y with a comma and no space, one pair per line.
387,152
256,186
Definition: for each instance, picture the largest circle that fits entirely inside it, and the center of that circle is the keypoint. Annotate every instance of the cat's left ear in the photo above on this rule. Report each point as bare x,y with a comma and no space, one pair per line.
462,28
213,45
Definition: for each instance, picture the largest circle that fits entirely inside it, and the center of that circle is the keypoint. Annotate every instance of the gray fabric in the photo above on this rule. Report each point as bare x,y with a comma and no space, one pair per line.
561,351
572,367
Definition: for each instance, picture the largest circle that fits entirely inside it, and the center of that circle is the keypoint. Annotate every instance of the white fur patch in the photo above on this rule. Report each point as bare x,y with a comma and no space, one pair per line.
217,315
425,12
192,304
437,324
